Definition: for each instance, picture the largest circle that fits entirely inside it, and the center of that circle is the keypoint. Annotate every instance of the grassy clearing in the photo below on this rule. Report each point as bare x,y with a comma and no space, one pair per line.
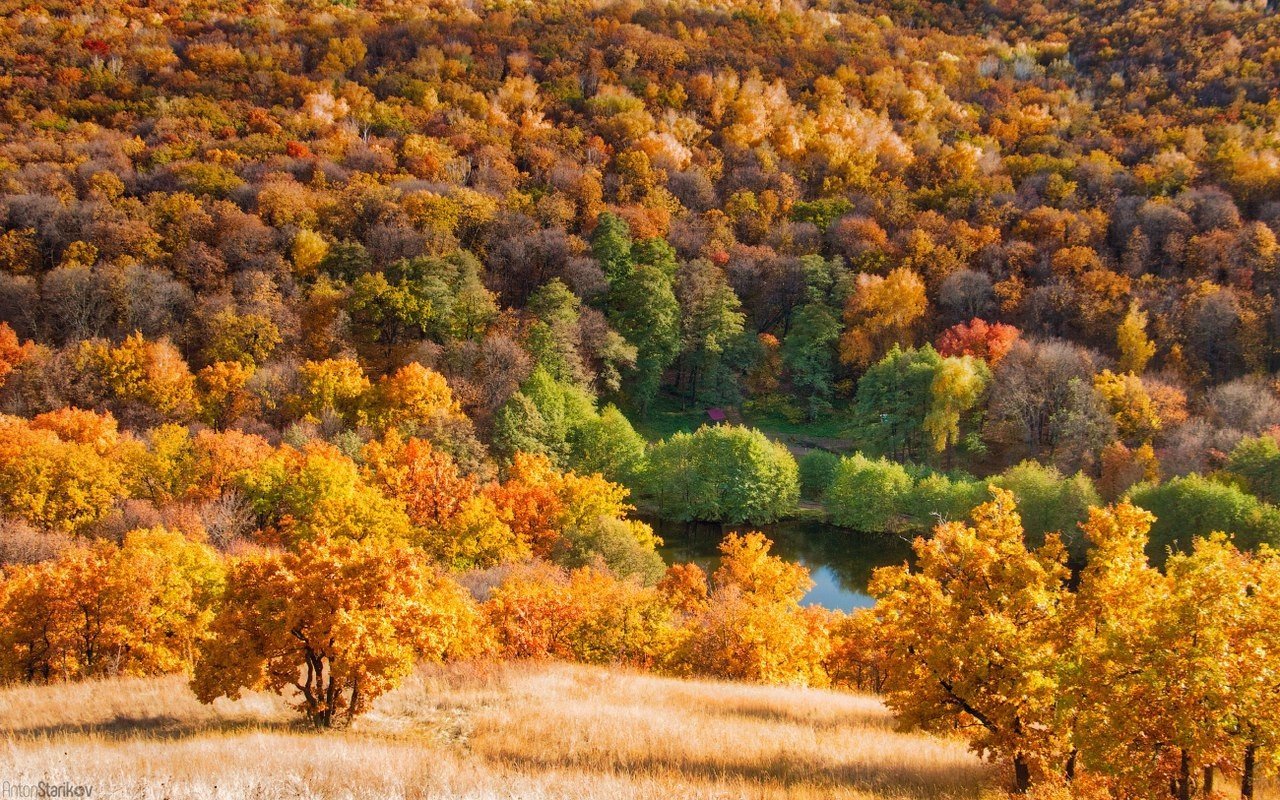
832,428
504,731
671,414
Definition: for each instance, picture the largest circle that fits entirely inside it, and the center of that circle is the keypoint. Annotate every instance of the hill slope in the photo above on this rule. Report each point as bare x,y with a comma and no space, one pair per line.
543,731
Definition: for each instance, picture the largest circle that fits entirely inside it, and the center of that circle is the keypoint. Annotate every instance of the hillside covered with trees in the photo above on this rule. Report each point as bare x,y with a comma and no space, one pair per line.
341,335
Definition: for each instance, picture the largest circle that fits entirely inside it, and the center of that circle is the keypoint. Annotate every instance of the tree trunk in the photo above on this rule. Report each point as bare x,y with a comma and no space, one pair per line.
1246,775
330,700
1206,782
1071,765
1021,774
1184,777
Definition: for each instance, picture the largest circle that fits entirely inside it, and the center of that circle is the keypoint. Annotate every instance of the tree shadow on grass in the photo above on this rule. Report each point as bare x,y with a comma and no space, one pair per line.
917,781
867,719
162,727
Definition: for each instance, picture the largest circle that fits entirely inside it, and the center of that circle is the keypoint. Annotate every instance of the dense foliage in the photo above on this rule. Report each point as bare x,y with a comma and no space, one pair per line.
336,336
1134,683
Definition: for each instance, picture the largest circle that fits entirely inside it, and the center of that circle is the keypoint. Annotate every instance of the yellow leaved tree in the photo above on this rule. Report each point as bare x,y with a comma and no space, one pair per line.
958,387
971,637
751,625
1256,693
1148,691
60,470
1136,349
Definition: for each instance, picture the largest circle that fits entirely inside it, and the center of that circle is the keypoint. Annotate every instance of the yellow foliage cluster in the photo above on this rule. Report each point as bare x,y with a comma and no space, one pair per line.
1136,415
1127,684
882,311
60,471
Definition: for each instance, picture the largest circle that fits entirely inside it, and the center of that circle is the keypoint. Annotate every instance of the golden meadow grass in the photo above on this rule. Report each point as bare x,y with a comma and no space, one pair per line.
484,732
501,731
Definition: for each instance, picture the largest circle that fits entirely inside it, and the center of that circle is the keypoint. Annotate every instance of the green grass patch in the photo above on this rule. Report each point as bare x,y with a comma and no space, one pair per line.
670,414
827,427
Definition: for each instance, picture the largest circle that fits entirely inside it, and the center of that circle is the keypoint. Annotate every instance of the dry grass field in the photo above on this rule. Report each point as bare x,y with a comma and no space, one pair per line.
506,731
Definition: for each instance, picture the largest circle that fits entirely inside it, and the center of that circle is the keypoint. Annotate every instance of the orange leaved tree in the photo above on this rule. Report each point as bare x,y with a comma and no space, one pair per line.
100,609
339,621
882,311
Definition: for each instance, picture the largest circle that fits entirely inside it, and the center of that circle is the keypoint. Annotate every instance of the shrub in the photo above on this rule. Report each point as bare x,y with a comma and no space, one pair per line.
941,498
1050,502
1257,462
726,473
1195,506
607,444
817,470
868,495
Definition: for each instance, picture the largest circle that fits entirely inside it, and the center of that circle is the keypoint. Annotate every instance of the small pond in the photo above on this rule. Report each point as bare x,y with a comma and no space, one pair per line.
840,561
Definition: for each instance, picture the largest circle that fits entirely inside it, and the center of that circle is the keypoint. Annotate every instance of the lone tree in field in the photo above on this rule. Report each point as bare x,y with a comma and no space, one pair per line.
971,637
339,621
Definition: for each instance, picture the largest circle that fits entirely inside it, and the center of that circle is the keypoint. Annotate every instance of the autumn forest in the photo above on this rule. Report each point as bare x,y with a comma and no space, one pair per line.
352,346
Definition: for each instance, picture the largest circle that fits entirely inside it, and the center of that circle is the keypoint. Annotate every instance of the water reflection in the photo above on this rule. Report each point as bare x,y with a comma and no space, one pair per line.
840,561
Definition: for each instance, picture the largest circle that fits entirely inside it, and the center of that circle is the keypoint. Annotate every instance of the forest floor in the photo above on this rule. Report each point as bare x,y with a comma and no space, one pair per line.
480,732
